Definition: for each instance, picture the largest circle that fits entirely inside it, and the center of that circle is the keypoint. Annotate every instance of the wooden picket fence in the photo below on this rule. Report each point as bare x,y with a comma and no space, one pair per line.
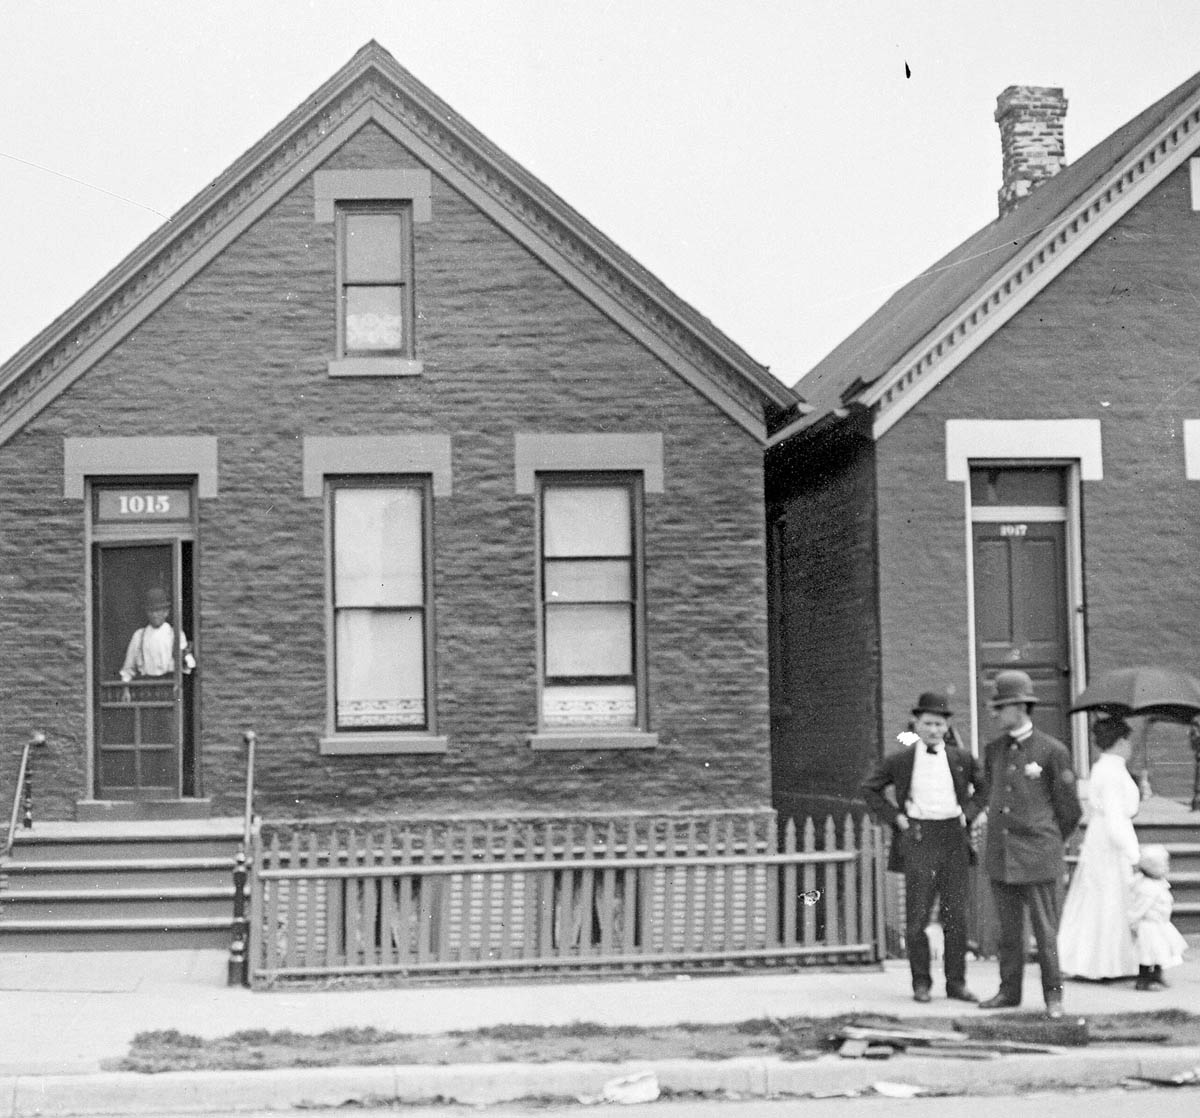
635,892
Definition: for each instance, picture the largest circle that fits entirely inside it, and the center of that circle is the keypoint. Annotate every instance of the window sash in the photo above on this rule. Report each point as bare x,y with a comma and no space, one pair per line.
376,306
589,586
373,318
379,605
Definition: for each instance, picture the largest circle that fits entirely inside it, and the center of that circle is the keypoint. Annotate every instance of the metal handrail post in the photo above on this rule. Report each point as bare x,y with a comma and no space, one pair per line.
251,740
239,969
22,794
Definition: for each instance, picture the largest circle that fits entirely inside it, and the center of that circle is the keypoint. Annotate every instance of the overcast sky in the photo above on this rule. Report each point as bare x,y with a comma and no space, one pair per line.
768,159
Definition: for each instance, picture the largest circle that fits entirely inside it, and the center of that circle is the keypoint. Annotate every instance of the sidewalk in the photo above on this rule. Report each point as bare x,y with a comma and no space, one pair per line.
62,1014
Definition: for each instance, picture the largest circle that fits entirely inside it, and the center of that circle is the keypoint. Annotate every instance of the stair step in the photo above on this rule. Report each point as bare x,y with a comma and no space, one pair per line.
49,842
117,934
179,893
122,923
53,850
227,827
117,865
55,907
157,884
123,877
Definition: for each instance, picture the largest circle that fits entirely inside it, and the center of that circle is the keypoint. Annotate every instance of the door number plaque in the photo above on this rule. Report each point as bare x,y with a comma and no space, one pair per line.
116,505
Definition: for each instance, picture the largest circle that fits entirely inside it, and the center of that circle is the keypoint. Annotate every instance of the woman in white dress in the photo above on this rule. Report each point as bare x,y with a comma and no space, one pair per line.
1094,938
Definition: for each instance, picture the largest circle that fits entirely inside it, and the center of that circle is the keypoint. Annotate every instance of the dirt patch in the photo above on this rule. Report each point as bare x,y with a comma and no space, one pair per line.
793,1038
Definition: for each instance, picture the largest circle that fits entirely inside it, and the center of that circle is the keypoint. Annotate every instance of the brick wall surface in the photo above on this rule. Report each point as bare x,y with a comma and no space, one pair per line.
1114,338
239,353
825,649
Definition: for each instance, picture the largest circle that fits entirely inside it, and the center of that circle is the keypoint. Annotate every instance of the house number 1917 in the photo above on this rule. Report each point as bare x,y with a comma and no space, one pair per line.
1013,529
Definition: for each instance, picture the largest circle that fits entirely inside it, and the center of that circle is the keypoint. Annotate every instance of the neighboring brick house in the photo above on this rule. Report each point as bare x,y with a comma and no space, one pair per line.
1001,465
460,508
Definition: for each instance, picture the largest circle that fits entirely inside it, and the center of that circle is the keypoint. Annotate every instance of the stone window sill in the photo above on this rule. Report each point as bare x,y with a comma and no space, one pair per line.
375,367
351,745
594,739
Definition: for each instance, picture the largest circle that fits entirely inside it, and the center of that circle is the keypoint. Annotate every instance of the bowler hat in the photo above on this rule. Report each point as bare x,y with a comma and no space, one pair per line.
156,598
1012,687
931,702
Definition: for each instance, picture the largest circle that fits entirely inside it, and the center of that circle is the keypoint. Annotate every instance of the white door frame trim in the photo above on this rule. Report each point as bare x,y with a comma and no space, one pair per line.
1030,443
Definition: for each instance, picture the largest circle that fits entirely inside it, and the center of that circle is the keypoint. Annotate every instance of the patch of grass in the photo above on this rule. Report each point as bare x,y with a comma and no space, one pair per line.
795,1038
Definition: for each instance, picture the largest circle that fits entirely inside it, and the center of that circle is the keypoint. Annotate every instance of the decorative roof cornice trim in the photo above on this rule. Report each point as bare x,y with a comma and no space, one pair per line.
958,335
170,256
588,271
373,86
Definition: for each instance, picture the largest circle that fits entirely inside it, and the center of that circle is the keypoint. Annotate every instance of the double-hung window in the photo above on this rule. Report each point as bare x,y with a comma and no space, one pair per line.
592,671
381,604
375,280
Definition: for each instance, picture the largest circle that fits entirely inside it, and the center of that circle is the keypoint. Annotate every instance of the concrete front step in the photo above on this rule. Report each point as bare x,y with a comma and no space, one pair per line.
123,852
29,847
95,873
120,885
103,903
150,934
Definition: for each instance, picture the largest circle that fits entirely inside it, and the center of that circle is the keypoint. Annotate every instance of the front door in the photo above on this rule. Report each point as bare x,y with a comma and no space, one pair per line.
143,659
1020,574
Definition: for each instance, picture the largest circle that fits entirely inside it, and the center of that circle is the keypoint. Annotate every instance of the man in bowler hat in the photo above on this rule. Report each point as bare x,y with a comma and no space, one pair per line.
939,789
1033,809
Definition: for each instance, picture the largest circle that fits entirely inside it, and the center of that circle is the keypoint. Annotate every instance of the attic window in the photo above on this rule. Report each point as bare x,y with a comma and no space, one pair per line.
375,281
374,212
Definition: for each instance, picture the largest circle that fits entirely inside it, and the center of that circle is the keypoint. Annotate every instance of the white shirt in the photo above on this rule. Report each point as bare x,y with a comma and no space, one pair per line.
931,794
152,652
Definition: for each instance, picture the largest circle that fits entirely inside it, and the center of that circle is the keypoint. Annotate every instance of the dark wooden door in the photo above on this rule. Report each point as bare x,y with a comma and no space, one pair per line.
1021,615
139,722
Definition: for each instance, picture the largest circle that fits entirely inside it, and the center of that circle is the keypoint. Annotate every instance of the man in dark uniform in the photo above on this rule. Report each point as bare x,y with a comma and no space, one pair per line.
1033,809
939,791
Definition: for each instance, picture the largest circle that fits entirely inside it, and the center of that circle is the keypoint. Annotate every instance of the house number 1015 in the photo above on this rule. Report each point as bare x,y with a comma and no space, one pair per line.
138,504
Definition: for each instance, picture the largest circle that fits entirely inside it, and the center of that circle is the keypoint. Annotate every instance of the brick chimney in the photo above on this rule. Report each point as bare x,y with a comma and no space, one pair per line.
1031,139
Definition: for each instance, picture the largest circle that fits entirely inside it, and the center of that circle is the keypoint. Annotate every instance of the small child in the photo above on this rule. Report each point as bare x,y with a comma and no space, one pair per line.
1159,943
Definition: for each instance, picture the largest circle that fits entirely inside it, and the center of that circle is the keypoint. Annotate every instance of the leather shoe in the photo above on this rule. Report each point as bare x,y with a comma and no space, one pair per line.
960,994
1000,1001
922,994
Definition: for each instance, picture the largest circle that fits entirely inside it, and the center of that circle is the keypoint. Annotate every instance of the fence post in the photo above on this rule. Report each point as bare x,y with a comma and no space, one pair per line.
239,973
878,873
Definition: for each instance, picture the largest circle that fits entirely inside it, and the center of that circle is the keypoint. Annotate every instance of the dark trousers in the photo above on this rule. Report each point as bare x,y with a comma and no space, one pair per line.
936,867
1041,898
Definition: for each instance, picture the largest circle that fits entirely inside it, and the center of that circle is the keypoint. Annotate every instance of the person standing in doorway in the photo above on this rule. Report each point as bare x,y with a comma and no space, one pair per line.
1032,810
151,650
939,790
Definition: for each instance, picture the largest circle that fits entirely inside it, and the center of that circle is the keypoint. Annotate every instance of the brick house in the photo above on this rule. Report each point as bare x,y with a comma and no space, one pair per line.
1000,465
453,502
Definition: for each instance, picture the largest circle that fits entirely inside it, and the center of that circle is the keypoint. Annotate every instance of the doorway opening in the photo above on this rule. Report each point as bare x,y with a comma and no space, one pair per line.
1021,570
144,655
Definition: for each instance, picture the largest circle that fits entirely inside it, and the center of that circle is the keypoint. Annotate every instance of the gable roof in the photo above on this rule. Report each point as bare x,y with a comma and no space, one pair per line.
925,330
372,86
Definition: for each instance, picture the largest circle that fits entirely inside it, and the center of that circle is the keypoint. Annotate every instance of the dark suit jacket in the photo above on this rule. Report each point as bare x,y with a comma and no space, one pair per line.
896,769
1033,808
